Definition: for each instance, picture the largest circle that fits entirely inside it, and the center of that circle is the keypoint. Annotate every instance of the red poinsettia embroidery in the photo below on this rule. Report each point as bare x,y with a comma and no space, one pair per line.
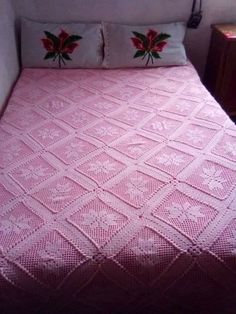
59,48
150,45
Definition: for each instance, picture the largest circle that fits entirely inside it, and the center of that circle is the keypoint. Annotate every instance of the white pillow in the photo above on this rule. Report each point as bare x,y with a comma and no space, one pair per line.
72,45
142,46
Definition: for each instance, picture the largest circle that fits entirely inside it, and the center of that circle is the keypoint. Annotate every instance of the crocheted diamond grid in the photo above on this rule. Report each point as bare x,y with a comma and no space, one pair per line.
117,194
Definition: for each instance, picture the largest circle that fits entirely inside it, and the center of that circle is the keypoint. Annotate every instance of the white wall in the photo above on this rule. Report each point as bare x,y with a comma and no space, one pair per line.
9,67
215,11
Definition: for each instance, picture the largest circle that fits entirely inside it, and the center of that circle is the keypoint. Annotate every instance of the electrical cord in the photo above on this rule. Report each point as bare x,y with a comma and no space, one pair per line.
196,16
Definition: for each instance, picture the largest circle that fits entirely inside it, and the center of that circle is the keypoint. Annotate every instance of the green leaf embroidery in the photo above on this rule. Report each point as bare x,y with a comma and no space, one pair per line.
71,39
49,55
156,55
161,37
66,56
53,38
139,53
140,36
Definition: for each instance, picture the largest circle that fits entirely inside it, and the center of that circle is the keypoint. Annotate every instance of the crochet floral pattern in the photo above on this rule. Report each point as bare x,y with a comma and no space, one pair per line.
117,193
59,48
150,45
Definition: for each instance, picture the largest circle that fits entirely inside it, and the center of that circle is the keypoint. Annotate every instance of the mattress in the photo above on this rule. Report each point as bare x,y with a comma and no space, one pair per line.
117,194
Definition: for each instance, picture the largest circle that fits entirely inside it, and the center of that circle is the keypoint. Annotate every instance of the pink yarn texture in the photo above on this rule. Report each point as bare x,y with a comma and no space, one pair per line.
117,194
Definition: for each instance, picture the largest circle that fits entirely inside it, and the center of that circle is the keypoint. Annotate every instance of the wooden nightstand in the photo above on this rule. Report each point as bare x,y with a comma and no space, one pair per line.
220,74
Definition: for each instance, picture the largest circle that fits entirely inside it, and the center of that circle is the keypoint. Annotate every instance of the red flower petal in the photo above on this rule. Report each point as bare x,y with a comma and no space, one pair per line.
137,43
151,35
70,48
159,47
48,44
63,35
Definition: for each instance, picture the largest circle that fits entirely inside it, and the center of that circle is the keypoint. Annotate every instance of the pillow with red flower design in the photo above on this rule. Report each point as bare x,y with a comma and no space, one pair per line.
72,45
144,46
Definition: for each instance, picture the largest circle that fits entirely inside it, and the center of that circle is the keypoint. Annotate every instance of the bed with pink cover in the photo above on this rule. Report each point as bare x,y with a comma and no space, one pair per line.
117,194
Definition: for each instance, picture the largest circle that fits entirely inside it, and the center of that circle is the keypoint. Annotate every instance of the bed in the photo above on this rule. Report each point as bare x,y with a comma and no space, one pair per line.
117,194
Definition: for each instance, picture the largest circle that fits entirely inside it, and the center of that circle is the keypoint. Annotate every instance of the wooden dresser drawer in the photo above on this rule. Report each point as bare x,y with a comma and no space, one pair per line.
220,74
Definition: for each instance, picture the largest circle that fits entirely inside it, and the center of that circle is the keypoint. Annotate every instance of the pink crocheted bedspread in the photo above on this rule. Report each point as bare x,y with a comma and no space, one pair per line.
117,194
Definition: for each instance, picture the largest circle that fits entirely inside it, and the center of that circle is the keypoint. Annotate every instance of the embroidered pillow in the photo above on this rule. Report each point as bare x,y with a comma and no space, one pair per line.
144,46
73,45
